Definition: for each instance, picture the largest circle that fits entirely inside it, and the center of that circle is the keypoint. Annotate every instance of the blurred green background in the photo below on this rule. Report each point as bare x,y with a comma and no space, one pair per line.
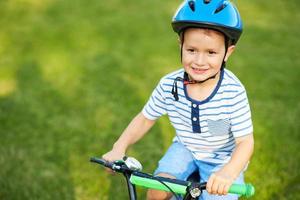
74,73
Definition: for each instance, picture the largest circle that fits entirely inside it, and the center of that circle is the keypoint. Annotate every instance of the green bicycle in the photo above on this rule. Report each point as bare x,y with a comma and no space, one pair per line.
190,190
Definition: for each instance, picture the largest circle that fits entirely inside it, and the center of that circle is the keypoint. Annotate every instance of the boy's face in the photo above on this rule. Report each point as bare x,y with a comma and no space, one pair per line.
203,52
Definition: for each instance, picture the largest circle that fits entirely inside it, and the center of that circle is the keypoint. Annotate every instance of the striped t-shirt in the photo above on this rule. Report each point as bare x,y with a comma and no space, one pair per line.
207,128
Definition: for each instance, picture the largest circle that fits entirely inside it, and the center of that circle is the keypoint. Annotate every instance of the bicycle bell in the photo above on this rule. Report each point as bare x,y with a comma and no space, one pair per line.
132,163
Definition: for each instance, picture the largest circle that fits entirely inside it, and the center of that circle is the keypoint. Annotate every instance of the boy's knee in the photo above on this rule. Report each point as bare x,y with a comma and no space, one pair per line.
158,195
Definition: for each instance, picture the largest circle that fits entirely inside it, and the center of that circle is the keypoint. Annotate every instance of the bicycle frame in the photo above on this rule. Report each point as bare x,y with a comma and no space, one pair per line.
190,190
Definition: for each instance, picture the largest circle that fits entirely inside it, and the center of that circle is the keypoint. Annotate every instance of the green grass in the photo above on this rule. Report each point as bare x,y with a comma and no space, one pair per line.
74,73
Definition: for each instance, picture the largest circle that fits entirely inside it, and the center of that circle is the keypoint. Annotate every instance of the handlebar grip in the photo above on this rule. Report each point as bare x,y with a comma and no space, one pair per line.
101,162
246,190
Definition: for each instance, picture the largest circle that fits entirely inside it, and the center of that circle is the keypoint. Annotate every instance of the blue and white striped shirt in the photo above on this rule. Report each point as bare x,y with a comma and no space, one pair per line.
207,128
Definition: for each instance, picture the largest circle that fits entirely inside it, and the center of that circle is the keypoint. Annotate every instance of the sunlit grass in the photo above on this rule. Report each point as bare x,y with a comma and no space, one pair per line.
7,87
61,71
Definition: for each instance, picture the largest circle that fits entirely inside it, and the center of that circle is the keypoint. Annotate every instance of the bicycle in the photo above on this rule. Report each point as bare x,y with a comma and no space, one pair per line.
191,190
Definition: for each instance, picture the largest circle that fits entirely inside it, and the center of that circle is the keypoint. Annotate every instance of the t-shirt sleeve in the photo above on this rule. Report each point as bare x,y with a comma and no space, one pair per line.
241,122
156,105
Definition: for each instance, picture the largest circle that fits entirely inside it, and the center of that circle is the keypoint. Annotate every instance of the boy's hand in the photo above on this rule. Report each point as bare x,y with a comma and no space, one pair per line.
219,182
116,153
112,156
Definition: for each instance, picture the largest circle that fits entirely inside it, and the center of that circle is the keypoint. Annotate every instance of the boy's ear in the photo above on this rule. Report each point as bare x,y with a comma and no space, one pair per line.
230,50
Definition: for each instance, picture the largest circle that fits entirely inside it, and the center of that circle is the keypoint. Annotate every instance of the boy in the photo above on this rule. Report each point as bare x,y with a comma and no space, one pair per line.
206,104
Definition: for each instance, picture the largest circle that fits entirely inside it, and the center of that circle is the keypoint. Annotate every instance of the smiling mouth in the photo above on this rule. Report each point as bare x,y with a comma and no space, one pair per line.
199,70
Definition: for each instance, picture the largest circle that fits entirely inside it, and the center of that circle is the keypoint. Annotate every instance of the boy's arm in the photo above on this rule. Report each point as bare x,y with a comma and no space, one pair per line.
137,128
220,181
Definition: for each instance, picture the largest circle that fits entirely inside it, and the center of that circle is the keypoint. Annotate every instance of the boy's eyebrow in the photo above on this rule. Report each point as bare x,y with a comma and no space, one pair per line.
189,45
194,47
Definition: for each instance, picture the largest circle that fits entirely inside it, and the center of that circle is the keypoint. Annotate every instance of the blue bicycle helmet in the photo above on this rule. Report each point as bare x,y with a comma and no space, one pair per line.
220,15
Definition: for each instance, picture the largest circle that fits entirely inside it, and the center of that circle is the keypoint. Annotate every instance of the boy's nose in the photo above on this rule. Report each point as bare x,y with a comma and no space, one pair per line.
200,59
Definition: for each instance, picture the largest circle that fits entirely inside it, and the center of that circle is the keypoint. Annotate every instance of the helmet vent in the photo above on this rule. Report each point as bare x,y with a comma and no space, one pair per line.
207,1
221,6
192,5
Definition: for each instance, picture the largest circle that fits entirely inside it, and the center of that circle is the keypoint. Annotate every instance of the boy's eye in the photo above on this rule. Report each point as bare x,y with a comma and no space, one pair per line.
212,52
191,50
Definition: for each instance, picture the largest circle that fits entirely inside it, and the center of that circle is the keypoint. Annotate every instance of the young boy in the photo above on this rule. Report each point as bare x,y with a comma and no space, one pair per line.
206,104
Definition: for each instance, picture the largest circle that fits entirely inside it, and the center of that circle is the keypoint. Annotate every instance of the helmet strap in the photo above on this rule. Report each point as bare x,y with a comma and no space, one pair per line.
186,80
181,45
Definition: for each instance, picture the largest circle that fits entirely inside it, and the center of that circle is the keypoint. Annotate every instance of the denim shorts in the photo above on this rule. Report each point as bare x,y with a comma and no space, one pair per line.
180,163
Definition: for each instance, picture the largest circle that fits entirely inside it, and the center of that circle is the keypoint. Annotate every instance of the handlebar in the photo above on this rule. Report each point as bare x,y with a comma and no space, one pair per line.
165,184
180,187
102,162
118,165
